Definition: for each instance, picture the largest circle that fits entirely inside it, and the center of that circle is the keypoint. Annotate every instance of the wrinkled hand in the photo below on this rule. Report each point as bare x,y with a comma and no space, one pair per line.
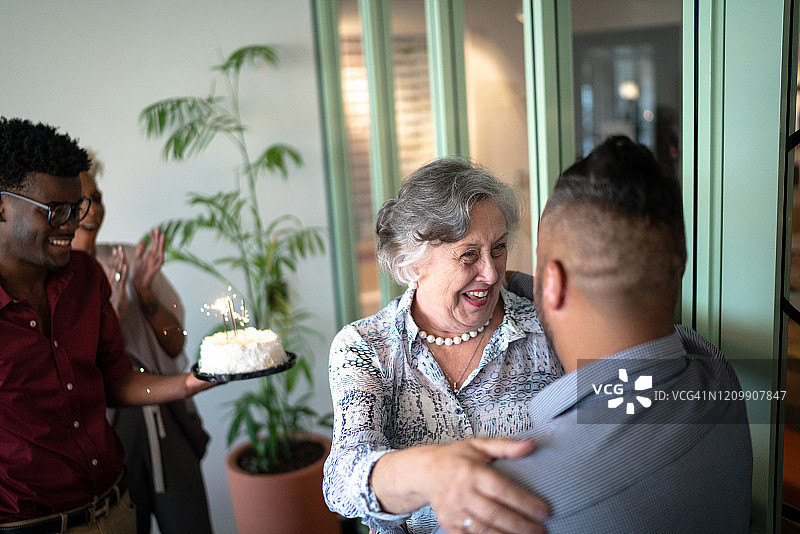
148,261
118,279
468,496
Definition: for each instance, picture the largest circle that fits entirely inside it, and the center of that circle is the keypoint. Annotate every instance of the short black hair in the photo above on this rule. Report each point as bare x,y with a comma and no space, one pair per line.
624,178
27,148
615,219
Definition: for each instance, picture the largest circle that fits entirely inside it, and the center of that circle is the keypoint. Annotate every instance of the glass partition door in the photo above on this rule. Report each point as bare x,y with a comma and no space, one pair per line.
593,68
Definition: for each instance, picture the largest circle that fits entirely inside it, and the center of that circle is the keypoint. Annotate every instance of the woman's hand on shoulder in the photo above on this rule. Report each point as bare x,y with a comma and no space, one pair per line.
464,488
457,481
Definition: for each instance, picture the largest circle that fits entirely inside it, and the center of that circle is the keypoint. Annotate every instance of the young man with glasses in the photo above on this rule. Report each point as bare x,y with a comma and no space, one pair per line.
61,350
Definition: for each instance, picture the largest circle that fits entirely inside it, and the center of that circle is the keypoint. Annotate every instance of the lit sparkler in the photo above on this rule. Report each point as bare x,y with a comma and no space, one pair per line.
225,307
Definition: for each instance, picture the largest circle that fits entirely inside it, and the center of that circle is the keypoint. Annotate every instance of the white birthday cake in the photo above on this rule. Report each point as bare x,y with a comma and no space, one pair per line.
247,350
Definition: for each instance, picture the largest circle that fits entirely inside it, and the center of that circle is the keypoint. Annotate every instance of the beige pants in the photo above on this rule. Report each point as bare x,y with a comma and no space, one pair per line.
121,519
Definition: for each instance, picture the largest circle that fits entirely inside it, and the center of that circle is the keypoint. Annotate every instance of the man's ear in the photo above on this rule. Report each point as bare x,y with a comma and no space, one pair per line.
554,285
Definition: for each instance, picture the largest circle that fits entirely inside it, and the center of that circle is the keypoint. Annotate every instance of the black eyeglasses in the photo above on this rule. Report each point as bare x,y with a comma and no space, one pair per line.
58,213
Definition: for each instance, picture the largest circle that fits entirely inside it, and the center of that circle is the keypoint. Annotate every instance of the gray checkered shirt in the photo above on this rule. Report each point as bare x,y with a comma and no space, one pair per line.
670,467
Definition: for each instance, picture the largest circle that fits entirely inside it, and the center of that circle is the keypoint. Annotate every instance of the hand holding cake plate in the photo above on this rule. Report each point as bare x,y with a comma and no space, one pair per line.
228,377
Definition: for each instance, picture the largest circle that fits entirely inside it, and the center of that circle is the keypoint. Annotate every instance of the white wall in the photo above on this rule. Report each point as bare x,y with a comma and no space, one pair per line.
90,67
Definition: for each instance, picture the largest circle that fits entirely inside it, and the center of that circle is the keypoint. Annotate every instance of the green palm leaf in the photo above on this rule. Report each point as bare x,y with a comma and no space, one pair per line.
166,115
276,159
250,55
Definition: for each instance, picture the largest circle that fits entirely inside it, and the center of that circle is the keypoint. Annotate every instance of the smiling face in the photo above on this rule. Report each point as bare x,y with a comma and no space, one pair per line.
460,285
26,238
86,234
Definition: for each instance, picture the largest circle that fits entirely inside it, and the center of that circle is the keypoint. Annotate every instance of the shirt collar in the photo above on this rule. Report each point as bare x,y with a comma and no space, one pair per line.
56,282
403,322
520,315
565,392
5,298
515,323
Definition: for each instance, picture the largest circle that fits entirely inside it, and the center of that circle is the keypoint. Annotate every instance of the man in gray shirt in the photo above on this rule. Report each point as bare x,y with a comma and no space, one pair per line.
645,433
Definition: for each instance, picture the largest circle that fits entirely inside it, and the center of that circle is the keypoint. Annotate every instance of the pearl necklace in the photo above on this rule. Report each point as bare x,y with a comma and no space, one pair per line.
447,341
455,382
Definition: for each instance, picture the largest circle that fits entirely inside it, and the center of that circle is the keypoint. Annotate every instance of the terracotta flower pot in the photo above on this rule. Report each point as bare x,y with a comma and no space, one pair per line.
284,503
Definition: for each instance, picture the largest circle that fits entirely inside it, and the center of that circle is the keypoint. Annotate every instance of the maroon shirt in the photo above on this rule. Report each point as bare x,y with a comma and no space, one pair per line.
57,451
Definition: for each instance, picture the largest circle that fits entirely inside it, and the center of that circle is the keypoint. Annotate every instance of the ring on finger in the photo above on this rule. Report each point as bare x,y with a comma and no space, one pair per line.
117,276
467,522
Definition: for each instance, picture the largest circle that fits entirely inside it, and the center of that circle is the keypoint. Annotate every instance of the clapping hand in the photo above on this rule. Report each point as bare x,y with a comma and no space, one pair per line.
118,278
148,261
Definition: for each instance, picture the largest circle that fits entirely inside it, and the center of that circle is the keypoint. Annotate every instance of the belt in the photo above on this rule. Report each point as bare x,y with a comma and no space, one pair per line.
56,523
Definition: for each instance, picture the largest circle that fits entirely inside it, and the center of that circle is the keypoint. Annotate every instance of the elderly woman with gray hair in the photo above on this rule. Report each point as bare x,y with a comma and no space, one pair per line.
427,391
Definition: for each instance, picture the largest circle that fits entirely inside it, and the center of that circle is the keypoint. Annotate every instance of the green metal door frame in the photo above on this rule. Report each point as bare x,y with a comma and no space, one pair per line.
383,150
787,306
548,77
735,93
703,97
444,20
337,162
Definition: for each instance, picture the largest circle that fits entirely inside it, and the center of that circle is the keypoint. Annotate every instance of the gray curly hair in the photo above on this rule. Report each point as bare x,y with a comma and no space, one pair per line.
434,206
96,167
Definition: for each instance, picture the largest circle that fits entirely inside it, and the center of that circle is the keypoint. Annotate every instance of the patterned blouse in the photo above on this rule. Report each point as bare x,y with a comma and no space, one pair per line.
390,393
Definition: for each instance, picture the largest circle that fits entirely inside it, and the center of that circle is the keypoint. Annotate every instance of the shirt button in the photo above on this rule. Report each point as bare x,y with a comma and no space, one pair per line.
95,462
33,324
76,424
69,386
459,411
55,344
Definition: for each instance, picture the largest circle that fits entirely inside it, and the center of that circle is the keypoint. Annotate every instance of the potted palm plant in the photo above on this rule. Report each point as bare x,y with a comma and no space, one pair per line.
276,416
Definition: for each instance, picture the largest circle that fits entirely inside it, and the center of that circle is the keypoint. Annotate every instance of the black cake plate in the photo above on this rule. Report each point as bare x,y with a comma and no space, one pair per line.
227,377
